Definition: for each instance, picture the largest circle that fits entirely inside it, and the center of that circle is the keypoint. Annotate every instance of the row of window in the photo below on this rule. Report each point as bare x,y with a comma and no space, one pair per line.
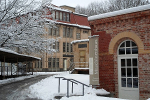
38,64
62,16
67,47
53,62
67,32
54,31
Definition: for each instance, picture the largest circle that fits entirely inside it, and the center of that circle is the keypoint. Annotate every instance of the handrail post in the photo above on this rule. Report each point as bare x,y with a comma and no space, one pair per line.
68,88
59,85
83,90
72,87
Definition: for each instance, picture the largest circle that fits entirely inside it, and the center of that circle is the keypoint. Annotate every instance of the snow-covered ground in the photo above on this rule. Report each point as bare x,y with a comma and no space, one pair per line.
47,89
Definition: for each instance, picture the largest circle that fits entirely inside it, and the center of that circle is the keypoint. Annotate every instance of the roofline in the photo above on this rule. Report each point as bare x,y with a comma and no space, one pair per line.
119,12
15,53
79,41
75,25
67,6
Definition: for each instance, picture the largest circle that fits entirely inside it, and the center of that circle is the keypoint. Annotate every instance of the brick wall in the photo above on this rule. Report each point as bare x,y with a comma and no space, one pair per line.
106,68
107,28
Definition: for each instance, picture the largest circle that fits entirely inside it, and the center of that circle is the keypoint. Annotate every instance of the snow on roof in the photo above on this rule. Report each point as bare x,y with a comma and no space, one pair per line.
78,41
76,25
61,9
120,12
13,52
81,68
80,14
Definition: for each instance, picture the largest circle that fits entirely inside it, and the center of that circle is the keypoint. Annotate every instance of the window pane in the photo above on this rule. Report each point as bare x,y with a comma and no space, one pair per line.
129,74
68,32
134,62
77,35
57,44
121,51
135,82
64,16
67,47
53,14
60,15
64,31
57,64
71,48
68,17
57,31
134,50
122,62
71,33
129,82
128,62
135,72
82,45
128,51
53,62
133,44
123,45
123,81
50,31
123,72
64,47
127,43
49,64
57,15
54,32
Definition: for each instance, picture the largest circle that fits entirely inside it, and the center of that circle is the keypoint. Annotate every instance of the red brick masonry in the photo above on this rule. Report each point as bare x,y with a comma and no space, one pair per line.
107,29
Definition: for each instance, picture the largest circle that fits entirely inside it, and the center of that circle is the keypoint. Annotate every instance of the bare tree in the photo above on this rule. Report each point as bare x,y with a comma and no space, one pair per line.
95,8
81,10
23,25
124,4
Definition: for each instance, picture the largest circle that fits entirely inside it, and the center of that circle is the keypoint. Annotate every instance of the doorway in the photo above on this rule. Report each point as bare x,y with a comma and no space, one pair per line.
82,58
128,72
65,64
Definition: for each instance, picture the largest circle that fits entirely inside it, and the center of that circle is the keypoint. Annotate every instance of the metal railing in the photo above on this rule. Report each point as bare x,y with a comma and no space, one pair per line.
78,65
73,81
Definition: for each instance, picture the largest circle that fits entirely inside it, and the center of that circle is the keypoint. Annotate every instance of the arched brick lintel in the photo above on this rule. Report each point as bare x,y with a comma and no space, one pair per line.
129,35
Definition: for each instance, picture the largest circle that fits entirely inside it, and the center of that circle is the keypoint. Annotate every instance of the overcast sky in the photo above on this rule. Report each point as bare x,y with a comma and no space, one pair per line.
73,3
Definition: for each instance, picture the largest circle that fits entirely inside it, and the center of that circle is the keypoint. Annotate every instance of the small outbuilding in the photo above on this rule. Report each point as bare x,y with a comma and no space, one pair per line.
13,64
124,51
81,56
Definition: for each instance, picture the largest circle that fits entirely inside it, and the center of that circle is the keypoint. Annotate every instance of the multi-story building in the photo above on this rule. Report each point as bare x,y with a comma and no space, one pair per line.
70,26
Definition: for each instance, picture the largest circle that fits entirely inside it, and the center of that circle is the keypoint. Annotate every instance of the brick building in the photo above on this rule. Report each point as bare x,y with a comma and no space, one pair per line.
124,51
70,26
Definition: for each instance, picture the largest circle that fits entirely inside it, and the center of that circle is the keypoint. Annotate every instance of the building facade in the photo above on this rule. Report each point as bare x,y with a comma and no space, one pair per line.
81,56
124,51
69,26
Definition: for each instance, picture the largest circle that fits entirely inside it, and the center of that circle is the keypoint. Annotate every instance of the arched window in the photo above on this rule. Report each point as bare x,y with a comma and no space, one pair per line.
127,47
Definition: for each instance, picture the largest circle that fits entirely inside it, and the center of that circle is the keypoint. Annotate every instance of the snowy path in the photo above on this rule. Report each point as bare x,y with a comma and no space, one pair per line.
19,90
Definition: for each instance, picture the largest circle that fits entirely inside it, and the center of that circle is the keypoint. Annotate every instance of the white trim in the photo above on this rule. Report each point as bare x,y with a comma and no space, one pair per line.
120,12
121,89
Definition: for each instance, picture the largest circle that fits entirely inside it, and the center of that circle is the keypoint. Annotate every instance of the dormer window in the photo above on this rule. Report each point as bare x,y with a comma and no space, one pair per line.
62,16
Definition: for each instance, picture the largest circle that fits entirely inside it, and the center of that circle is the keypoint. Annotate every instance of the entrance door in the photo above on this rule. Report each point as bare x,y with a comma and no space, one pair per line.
82,58
128,75
65,64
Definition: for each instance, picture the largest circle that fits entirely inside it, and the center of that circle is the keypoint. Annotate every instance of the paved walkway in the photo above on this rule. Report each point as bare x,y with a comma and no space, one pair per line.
19,90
